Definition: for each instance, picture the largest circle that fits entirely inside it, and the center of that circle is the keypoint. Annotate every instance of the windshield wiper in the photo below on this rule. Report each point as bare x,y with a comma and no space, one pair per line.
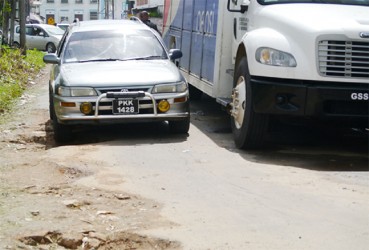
148,58
117,59
102,60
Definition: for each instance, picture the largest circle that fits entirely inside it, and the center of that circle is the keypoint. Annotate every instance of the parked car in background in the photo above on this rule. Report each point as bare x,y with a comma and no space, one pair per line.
43,37
115,71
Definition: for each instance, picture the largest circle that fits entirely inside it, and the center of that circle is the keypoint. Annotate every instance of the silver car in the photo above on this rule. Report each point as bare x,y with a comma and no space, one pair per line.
43,37
115,71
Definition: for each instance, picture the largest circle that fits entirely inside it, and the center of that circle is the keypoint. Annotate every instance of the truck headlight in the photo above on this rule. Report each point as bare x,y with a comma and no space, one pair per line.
76,91
274,57
170,88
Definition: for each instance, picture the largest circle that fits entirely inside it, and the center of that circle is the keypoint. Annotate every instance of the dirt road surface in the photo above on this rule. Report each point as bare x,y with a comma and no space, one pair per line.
139,187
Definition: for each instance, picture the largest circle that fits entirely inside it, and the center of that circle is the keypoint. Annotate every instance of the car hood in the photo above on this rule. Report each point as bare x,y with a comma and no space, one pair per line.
59,37
316,18
133,72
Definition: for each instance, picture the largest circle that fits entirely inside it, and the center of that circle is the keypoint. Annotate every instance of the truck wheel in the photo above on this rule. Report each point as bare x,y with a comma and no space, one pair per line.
180,127
62,133
248,128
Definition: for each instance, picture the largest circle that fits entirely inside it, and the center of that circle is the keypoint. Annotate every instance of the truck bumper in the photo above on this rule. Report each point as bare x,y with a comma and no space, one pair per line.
310,98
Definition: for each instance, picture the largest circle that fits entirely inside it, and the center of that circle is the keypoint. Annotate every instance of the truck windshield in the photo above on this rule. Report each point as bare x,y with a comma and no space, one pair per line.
342,2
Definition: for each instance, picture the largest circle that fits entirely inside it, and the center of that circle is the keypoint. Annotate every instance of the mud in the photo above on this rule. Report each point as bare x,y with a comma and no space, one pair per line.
41,207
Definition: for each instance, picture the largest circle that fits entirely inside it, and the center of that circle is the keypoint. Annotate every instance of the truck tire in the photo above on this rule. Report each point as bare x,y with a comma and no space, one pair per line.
248,127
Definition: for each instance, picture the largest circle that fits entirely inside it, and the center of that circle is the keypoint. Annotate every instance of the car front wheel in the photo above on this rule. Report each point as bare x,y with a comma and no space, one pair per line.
50,48
62,133
180,127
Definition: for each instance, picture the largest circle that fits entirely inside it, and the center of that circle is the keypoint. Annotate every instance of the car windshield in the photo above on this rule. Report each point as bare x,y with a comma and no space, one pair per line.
113,46
343,2
53,30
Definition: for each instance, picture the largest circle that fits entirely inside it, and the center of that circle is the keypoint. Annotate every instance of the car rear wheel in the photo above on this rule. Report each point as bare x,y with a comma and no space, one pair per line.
50,48
16,45
180,127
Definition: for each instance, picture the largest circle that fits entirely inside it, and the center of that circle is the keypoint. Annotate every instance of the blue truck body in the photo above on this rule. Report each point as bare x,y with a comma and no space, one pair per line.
194,28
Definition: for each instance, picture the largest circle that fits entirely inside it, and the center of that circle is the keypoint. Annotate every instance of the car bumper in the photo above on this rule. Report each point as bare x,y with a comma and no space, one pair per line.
310,98
102,111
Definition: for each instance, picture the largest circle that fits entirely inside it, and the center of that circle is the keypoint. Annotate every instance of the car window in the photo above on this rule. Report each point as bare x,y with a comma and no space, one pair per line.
122,45
29,30
37,32
61,44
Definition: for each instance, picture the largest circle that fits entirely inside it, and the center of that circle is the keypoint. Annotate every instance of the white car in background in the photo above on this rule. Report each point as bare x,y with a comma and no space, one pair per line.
43,37
63,26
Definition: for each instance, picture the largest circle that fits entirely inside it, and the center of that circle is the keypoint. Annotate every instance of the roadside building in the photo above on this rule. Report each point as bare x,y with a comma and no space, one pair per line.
65,11
155,7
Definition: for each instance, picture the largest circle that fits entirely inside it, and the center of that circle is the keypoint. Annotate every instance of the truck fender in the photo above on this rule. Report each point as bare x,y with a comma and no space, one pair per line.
264,37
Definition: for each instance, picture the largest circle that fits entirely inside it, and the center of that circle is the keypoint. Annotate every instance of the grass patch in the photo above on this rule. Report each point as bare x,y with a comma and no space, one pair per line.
16,71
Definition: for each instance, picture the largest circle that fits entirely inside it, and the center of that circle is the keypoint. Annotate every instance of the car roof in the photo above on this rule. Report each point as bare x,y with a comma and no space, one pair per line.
105,24
38,24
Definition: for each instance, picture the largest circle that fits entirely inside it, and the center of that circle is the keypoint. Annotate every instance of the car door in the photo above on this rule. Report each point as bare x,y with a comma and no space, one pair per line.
30,37
38,39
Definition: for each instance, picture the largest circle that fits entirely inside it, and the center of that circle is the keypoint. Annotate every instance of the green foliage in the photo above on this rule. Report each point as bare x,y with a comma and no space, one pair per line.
155,14
15,72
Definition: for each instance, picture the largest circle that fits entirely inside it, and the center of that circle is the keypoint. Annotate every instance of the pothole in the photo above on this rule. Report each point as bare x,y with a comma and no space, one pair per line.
92,240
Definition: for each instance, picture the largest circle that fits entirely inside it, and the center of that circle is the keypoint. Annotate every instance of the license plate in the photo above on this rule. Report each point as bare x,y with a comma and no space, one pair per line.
125,106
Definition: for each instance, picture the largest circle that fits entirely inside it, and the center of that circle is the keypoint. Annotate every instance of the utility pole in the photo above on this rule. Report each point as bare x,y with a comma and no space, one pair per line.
22,24
5,21
106,9
113,8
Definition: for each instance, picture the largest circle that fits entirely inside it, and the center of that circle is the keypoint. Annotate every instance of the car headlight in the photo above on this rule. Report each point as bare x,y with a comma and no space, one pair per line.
76,91
274,57
170,88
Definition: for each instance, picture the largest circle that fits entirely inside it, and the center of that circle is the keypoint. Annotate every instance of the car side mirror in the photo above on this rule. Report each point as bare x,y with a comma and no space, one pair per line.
51,58
175,54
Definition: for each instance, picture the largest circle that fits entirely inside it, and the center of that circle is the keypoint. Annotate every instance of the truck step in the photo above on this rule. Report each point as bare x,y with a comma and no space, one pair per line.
224,101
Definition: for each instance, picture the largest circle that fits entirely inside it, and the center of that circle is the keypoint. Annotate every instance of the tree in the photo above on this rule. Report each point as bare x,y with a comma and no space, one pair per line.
22,24
5,12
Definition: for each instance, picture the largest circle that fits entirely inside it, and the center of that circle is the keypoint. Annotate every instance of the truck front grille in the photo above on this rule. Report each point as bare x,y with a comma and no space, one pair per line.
346,59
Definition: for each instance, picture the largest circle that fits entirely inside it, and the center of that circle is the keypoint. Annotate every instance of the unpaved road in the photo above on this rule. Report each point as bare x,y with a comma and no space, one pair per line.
139,187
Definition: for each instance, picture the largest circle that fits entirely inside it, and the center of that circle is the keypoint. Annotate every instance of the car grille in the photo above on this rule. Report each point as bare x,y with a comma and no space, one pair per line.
105,107
346,59
105,90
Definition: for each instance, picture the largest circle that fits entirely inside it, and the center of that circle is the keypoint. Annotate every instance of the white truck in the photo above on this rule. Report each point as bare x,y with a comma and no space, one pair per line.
283,59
